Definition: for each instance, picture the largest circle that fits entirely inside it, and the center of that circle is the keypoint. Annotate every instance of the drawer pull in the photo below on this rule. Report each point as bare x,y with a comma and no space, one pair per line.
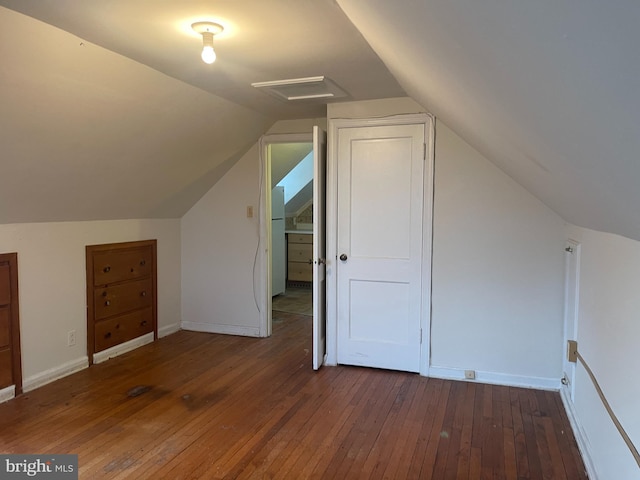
104,294
132,270
142,263
143,293
106,269
143,323
107,335
107,303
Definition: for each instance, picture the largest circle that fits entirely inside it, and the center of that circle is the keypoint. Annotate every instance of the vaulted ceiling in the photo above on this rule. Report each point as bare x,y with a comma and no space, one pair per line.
547,90
106,110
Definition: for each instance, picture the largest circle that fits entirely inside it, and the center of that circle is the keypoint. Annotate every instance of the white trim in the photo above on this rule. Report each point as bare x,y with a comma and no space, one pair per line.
168,330
427,243
7,393
122,348
579,434
48,376
263,258
218,328
335,124
571,294
494,378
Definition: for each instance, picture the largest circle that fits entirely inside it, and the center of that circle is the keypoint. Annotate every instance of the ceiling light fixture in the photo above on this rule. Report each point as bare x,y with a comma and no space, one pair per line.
207,30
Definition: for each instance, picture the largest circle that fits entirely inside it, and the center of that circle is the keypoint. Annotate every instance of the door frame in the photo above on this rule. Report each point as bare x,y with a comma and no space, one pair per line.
571,309
332,227
263,254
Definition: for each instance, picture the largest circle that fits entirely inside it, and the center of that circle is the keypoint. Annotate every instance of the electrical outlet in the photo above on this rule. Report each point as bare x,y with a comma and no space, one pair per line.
470,374
71,338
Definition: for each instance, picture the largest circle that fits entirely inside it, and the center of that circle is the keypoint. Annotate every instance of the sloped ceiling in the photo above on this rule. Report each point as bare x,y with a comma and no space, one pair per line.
284,157
107,111
548,90
119,118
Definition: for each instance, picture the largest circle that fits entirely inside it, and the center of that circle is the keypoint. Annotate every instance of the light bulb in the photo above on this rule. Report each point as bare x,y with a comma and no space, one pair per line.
208,54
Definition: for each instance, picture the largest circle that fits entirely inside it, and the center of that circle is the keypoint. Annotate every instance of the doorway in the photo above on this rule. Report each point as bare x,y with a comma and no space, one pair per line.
291,228
294,169
286,202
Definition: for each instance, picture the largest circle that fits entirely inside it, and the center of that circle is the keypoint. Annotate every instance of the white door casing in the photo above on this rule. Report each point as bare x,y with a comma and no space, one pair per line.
319,246
382,169
262,267
571,299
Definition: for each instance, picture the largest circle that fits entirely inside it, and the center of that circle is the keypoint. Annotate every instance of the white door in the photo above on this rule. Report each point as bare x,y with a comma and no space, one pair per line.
379,247
319,246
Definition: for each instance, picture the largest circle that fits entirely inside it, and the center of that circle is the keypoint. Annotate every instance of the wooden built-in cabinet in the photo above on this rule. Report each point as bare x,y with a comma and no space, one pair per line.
300,257
121,293
10,359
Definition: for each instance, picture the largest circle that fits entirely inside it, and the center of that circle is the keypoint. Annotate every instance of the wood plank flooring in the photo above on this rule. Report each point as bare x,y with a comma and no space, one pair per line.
294,300
203,406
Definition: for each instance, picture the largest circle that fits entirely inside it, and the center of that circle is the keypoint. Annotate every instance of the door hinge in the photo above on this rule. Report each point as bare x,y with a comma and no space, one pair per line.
420,336
424,151
569,249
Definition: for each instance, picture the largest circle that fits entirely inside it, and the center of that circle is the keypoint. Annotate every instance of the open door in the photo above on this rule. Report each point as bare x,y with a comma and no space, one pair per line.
319,246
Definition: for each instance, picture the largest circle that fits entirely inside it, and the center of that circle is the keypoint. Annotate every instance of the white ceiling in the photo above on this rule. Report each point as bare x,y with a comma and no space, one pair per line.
547,90
263,40
108,112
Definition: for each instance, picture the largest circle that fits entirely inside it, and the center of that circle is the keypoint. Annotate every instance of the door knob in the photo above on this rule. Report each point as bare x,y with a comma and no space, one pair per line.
343,257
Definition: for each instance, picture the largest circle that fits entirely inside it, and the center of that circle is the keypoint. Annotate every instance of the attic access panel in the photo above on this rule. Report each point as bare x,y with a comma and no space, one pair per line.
308,88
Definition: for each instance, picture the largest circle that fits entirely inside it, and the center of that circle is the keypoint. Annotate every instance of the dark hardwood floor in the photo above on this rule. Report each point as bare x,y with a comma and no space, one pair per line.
203,406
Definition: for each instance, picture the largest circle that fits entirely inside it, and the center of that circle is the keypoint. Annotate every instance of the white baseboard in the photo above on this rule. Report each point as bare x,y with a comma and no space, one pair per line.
122,348
7,393
225,329
540,383
168,330
48,376
579,434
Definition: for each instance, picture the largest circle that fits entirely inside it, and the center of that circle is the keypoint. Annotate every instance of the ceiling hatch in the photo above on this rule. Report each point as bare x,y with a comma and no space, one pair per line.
308,88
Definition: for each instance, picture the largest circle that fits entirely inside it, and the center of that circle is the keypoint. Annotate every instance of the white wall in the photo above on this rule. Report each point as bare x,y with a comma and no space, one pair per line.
52,286
498,269
498,266
221,279
608,334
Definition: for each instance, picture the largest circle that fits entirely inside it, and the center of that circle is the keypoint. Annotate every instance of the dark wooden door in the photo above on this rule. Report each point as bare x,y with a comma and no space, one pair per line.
10,363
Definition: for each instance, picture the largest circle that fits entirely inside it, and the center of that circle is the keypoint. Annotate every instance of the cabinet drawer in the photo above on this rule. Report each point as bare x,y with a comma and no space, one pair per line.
300,238
300,272
117,266
5,328
123,328
300,252
117,299
6,375
5,284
